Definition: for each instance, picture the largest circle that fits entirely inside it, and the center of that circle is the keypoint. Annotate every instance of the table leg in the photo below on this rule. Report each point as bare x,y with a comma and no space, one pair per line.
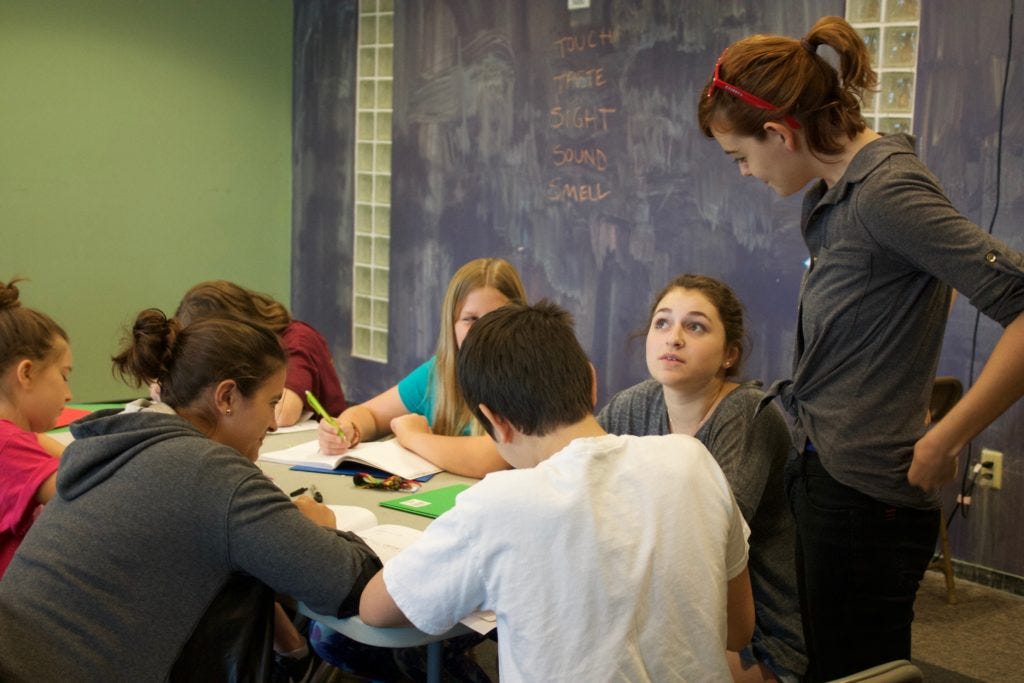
434,662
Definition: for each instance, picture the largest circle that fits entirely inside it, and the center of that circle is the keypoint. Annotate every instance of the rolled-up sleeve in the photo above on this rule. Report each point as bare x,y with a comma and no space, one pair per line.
915,220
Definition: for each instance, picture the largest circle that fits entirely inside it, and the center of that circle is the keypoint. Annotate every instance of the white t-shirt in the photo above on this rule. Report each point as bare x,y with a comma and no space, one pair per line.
608,561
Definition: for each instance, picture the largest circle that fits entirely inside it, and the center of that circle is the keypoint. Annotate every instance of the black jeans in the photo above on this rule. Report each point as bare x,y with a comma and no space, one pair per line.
859,563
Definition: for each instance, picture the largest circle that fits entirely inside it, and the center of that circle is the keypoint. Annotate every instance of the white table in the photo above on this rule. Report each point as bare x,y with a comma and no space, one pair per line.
339,489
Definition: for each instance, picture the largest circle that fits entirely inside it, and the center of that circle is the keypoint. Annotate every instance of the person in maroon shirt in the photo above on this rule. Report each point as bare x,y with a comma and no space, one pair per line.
310,365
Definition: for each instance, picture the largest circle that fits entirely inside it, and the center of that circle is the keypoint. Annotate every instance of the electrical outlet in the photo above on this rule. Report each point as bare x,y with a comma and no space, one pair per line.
992,477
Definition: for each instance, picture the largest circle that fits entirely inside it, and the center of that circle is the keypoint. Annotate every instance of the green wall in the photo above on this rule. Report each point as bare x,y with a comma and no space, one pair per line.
144,146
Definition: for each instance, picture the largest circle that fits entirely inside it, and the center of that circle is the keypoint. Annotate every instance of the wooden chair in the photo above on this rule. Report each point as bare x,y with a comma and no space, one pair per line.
945,393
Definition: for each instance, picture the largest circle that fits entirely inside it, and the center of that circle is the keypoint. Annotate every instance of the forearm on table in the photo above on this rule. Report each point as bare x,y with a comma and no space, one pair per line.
467,456
324,568
377,607
289,409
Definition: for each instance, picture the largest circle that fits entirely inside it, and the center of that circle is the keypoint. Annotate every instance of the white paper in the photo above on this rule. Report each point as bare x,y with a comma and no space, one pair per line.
388,539
304,425
353,517
306,454
481,622
386,455
384,539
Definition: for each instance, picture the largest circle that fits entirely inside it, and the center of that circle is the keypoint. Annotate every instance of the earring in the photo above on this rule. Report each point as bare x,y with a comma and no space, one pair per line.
727,363
228,411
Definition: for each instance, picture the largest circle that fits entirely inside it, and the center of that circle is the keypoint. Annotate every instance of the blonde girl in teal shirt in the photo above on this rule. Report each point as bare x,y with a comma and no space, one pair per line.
425,411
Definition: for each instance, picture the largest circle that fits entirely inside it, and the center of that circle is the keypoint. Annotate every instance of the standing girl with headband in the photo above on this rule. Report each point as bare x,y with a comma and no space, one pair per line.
887,248
35,361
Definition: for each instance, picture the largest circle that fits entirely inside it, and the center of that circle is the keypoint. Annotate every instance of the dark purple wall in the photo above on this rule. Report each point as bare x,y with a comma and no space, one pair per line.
475,142
962,61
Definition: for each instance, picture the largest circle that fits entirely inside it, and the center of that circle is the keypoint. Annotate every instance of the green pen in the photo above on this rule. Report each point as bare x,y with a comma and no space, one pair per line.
323,414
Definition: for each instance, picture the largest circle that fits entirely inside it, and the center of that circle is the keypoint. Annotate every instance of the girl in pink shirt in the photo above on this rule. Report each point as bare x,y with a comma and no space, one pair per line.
35,362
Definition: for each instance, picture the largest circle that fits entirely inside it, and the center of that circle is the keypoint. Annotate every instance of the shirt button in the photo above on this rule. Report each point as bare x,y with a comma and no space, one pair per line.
990,257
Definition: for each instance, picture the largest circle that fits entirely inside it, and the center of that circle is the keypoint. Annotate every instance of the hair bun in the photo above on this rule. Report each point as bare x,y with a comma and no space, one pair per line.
9,295
155,328
147,348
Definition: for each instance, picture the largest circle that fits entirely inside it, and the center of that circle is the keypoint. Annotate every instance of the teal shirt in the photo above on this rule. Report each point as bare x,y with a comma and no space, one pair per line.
418,390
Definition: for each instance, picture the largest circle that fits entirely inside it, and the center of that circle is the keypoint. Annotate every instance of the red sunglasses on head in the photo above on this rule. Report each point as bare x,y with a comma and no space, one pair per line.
753,100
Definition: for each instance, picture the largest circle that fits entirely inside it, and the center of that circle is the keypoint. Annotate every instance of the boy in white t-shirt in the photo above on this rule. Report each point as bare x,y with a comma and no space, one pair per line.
604,557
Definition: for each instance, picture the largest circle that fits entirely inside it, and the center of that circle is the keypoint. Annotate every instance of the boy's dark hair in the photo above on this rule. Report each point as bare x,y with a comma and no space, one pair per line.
525,364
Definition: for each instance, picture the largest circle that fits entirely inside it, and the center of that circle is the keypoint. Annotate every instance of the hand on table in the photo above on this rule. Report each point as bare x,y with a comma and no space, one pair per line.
405,426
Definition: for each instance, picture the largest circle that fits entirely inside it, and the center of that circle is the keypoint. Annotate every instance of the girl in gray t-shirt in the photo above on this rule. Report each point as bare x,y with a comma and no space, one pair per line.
694,347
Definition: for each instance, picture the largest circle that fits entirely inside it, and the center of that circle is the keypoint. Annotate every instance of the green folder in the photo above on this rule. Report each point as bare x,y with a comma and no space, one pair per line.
427,503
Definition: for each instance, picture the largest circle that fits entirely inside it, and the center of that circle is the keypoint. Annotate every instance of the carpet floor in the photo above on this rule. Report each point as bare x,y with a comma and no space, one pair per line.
981,638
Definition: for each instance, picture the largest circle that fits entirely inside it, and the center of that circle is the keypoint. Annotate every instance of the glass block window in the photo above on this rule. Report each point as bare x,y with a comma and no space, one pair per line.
890,29
371,250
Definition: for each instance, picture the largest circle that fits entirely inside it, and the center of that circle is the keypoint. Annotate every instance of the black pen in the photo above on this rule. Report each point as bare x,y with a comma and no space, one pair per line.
311,490
314,494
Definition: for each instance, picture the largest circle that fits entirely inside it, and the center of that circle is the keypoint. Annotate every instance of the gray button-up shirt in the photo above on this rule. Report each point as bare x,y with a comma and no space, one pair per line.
886,248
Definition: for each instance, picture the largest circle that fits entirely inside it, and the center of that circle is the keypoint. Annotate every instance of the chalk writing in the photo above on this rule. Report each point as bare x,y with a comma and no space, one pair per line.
593,157
584,119
579,80
577,192
581,117
591,40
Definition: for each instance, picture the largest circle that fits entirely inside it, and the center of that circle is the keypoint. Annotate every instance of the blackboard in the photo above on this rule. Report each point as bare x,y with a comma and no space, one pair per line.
566,141
475,153
323,97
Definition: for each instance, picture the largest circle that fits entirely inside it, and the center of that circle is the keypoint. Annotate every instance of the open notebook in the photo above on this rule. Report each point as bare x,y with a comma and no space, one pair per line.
387,455
387,540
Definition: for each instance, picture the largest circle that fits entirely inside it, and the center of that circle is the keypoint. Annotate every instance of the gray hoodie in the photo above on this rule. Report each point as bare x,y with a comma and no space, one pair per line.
153,523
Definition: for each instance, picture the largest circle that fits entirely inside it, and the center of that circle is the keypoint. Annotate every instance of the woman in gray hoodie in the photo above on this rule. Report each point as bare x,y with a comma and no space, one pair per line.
160,555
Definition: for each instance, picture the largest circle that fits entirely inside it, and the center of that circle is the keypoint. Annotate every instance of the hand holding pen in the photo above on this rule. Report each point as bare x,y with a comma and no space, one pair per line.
311,505
315,404
310,490
332,437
